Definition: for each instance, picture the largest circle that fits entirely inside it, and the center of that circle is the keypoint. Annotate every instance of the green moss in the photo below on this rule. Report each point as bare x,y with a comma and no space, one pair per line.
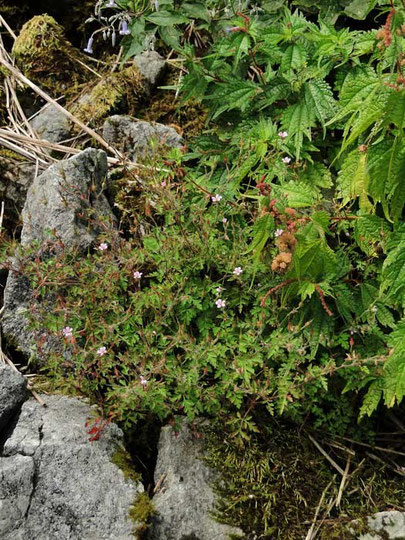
273,485
140,513
122,90
123,461
45,56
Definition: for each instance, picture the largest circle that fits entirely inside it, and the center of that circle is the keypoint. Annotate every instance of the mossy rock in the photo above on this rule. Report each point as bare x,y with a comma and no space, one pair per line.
46,57
123,90
141,512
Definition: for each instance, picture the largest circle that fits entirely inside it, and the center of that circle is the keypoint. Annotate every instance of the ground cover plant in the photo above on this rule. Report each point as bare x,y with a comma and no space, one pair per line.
259,271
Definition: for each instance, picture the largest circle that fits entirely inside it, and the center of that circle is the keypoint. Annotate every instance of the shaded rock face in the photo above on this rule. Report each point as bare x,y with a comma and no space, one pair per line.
151,66
51,124
135,137
186,498
56,484
386,526
55,201
12,394
16,176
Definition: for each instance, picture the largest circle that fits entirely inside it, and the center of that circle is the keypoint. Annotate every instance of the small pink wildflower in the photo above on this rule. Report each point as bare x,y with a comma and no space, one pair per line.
219,290
286,160
103,246
164,183
144,382
220,303
216,198
137,275
278,233
283,134
101,351
224,220
238,270
67,332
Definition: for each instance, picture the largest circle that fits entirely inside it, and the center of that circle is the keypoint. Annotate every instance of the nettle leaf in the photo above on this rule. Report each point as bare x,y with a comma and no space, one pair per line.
386,168
370,232
235,94
353,180
371,399
294,58
298,119
319,98
394,378
393,271
316,174
360,83
313,259
395,110
262,230
359,9
298,195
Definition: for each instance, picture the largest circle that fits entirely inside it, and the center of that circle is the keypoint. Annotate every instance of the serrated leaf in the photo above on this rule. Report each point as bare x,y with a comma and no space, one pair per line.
353,180
369,232
166,18
317,174
294,58
297,119
319,98
359,9
371,399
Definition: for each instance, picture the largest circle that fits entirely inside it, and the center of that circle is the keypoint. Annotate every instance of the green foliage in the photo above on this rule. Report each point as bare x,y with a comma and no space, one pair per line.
299,182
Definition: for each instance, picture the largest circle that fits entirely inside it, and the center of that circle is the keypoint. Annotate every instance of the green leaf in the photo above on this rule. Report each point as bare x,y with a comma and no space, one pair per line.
319,98
371,399
294,58
298,195
359,9
297,119
370,232
316,174
196,10
167,18
353,180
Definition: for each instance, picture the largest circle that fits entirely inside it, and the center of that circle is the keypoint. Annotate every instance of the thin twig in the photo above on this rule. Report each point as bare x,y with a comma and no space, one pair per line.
343,481
326,455
309,535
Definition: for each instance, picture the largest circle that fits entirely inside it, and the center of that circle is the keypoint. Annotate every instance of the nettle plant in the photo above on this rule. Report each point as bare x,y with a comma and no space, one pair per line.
266,270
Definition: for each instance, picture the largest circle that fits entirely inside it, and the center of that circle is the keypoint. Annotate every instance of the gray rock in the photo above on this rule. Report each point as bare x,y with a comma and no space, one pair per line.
51,124
74,491
135,137
16,176
386,526
12,394
55,202
152,67
186,498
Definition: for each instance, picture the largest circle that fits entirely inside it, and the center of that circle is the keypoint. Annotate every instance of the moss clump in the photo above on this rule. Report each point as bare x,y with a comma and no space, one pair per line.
122,459
140,513
46,57
272,486
123,90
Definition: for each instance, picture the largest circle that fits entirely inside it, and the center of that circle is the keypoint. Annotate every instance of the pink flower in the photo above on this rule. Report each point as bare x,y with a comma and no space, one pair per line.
219,290
278,232
238,270
283,134
144,382
224,220
286,160
220,303
164,183
102,247
101,351
216,198
137,275
67,332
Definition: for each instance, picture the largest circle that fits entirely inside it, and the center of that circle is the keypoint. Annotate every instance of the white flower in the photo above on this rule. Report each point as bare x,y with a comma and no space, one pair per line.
103,246
124,31
111,4
224,220
283,134
374,309
278,232
89,48
137,275
219,290
286,160
144,382
238,270
216,198
220,303
101,351
67,331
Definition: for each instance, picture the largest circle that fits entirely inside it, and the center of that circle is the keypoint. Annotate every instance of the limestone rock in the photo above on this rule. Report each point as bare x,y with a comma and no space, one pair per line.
51,124
135,137
73,489
12,394
186,498
386,526
151,66
55,201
